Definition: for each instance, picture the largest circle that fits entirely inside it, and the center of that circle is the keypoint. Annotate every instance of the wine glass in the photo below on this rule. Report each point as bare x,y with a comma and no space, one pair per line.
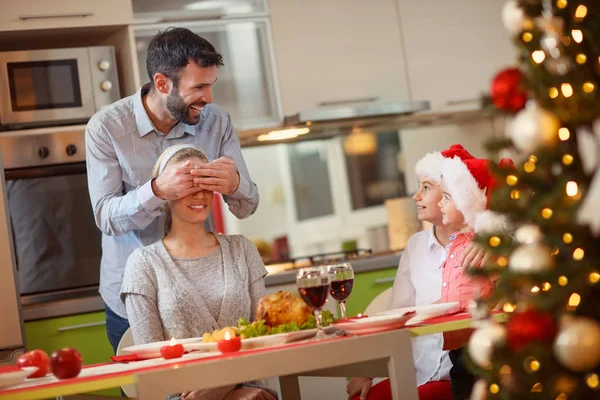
342,281
313,285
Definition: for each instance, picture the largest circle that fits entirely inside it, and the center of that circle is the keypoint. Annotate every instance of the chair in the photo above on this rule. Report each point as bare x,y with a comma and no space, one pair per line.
127,340
379,303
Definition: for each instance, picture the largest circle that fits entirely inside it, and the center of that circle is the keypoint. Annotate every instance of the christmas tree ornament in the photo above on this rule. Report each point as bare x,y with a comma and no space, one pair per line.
534,127
588,144
507,91
513,17
483,342
530,326
531,258
558,66
577,345
528,234
480,390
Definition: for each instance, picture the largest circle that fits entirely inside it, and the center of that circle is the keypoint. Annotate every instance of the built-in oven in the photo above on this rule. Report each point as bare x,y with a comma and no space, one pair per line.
56,86
57,244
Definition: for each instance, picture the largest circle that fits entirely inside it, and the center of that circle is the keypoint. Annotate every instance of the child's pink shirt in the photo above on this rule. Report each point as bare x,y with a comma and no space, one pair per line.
458,286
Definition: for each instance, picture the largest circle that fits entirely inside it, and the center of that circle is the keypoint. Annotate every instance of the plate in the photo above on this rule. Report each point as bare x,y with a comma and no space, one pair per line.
424,312
14,376
266,341
379,323
152,350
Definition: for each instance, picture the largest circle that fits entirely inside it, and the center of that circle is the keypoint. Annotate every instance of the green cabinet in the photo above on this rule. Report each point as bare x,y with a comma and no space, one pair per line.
84,332
367,285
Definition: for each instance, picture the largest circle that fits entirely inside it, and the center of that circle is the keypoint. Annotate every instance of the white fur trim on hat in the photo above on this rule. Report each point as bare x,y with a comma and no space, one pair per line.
462,186
491,222
429,166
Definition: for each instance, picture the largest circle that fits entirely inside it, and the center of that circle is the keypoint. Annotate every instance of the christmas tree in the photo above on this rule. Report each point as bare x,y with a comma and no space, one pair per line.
548,262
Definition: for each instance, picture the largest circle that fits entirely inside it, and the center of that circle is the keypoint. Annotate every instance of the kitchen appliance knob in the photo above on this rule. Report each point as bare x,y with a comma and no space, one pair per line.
104,65
43,152
71,149
106,86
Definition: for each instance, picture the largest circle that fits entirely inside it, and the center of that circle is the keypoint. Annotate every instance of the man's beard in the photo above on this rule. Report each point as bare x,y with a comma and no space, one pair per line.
178,109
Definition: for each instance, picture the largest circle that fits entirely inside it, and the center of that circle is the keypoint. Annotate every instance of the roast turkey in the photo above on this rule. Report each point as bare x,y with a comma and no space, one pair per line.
282,308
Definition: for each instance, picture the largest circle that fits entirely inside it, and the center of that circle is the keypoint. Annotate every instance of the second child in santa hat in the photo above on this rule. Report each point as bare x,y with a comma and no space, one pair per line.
466,186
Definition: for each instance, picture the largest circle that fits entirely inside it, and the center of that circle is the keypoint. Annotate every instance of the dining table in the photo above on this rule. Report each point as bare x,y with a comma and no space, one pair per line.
385,353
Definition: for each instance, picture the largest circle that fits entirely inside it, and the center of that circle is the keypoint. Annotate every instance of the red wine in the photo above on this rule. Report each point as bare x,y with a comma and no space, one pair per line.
340,290
315,296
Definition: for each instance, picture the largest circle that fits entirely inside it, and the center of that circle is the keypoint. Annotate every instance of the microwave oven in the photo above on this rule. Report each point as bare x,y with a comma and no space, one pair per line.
56,86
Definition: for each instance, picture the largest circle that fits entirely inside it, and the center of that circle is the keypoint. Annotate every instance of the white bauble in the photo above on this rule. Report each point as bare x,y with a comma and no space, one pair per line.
528,234
531,258
577,345
533,127
513,17
483,341
479,391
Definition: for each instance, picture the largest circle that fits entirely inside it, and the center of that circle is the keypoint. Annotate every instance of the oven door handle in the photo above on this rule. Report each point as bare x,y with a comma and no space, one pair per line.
46,171
80,326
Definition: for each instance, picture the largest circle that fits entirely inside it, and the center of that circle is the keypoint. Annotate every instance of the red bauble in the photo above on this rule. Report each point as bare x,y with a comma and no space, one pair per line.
507,91
527,327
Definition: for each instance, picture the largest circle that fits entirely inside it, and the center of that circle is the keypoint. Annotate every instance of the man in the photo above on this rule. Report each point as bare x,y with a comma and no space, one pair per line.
124,140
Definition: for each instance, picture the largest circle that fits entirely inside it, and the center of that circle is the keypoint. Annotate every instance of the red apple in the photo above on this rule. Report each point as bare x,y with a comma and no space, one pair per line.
35,358
66,363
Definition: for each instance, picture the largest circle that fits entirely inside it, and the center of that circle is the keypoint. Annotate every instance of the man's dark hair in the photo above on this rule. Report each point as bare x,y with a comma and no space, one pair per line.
170,51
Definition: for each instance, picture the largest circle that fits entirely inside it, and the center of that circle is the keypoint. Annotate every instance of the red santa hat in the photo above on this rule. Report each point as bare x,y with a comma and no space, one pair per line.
430,165
470,182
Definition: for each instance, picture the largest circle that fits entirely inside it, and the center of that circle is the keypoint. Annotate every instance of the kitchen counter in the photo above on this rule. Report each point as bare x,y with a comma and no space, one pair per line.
88,301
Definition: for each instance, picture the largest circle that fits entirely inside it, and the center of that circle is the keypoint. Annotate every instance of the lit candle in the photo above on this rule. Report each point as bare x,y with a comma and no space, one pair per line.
229,344
173,350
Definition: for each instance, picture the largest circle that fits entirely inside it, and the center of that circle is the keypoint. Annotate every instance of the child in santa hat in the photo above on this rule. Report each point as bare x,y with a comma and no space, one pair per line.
466,185
419,281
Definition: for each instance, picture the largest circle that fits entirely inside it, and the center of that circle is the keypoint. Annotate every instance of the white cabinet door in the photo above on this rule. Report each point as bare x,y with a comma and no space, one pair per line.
453,48
44,14
337,51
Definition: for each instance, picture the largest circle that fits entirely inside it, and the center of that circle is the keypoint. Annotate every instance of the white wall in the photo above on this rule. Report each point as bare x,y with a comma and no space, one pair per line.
275,214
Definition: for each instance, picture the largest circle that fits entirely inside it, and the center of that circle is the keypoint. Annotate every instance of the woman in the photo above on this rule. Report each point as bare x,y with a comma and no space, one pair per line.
192,281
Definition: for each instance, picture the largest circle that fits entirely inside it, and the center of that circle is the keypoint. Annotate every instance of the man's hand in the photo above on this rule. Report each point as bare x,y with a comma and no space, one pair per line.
359,386
219,176
174,182
473,256
248,393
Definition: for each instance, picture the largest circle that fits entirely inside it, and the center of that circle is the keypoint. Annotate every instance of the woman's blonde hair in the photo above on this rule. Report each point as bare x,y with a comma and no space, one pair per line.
182,155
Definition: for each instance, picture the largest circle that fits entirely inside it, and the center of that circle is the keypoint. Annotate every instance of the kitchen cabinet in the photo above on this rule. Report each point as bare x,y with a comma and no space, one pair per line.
84,332
155,11
246,83
337,52
367,285
44,14
453,49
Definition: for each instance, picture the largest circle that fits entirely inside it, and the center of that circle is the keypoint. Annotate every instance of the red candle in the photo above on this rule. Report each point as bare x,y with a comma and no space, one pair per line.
173,350
229,344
